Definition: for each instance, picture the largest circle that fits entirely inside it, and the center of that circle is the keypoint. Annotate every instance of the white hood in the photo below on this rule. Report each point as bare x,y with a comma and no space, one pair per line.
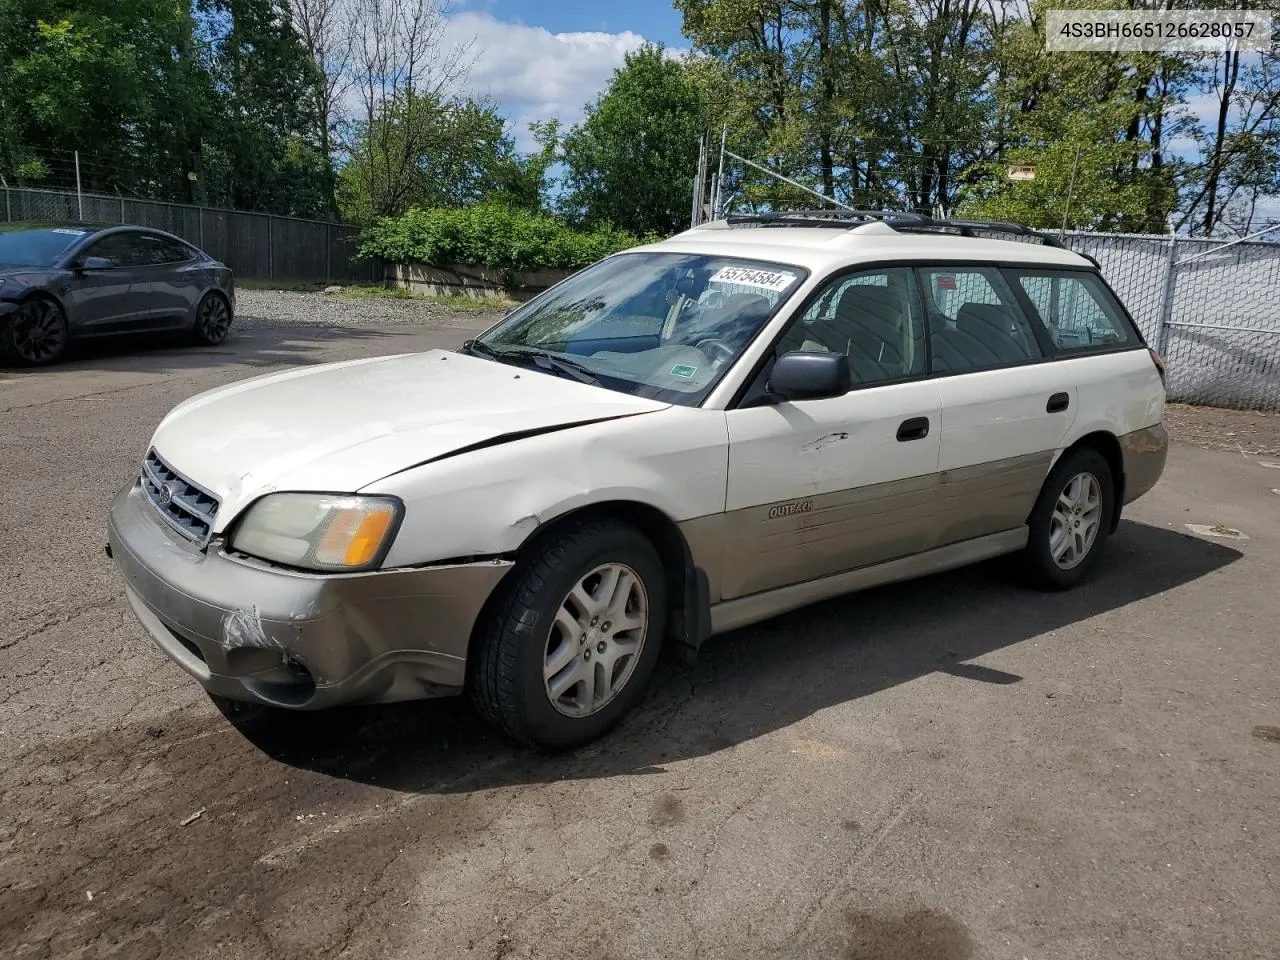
339,427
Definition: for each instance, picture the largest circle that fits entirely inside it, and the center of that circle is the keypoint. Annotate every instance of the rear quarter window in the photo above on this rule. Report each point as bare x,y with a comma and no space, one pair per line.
1078,311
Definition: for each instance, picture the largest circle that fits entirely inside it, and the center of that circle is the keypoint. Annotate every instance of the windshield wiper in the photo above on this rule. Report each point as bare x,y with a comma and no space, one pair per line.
569,368
529,357
481,349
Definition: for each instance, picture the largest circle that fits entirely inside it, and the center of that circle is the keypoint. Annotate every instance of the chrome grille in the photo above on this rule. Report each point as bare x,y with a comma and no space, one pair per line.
180,503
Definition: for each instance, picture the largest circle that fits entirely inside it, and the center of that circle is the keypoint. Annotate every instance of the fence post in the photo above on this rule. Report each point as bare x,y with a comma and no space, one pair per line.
1166,298
271,248
328,253
200,221
8,209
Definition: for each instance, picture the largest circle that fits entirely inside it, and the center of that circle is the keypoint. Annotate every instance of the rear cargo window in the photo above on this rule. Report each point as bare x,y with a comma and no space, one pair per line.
1076,309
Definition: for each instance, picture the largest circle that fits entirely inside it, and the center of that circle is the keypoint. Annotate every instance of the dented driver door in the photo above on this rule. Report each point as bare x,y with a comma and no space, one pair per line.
817,487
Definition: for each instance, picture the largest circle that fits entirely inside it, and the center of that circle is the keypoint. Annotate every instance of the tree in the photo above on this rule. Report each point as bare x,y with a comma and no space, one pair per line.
324,30
405,74
263,139
120,81
431,152
631,161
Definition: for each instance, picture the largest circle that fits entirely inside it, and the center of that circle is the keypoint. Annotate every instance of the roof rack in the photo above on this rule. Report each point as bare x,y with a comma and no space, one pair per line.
901,220
826,218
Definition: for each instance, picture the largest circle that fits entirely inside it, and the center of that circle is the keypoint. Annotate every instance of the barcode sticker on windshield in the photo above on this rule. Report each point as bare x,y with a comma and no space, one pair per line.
751,277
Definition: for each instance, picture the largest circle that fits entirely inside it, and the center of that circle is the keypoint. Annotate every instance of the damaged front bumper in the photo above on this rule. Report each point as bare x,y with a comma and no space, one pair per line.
303,641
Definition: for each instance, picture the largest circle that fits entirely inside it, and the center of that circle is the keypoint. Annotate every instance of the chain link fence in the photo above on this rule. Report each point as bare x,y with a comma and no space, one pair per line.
254,245
1212,309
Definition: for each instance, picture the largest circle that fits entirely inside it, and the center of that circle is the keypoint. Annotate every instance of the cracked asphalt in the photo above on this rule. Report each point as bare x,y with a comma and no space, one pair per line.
947,769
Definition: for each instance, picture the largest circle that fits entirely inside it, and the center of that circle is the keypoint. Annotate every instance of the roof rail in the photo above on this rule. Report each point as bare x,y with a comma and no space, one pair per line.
902,220
826,218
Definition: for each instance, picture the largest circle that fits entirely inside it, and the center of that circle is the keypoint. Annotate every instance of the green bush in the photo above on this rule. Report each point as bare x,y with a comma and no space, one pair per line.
490,236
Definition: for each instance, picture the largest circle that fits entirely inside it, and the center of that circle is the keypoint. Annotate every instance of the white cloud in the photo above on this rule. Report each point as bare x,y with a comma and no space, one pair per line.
533,74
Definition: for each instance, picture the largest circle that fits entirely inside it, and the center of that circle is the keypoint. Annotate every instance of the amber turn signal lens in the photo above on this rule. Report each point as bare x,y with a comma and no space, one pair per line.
368,538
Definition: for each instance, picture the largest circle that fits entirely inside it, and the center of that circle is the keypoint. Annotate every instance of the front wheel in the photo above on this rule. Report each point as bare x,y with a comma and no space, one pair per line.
213,319
570,643
1071,520
36,334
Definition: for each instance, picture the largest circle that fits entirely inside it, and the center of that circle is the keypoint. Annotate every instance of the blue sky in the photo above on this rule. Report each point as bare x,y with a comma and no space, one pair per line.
538,59
655,20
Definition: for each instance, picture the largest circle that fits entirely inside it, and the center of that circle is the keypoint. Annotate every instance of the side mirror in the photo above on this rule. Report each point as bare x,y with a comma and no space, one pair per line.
809,375
97,263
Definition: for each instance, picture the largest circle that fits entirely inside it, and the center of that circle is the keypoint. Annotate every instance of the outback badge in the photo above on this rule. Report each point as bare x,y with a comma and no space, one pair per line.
790,509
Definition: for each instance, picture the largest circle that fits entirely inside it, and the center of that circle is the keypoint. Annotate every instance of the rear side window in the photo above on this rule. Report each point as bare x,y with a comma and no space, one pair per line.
151,250
975,322
1076,309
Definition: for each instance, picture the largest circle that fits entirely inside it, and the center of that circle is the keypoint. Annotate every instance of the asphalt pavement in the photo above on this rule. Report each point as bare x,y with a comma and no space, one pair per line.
952,768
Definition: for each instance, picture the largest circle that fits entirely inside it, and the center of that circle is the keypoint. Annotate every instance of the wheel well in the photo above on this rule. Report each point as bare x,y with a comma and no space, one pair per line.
44,295
656,526
689,611
215,292
1107,445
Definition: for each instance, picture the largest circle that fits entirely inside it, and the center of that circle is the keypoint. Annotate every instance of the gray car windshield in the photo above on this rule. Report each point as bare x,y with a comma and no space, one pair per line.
661,325
25,247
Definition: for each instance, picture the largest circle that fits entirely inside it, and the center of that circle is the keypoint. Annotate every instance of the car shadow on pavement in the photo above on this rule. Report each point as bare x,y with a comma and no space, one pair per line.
253,346
748,682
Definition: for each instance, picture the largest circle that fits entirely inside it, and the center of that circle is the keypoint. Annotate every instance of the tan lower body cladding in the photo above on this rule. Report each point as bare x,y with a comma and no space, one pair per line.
771,555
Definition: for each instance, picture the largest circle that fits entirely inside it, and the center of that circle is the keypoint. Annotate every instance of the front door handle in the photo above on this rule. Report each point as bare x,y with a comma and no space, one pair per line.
1057,403
917,428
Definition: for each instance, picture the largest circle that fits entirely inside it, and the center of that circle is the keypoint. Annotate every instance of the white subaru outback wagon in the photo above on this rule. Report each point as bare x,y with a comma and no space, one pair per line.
682,439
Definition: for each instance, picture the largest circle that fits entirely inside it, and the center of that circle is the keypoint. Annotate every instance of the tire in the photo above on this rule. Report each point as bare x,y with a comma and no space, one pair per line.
213,319
36,335
530,646
1067,536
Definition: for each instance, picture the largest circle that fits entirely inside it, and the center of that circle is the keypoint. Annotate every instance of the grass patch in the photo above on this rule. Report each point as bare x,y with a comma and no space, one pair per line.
452,301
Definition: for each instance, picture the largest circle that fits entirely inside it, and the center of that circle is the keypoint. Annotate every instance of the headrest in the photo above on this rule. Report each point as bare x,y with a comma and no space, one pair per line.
864,298
975,318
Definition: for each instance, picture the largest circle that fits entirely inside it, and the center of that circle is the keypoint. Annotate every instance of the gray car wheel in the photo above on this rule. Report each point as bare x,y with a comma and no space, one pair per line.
569,642
37,334
1071,520
213,319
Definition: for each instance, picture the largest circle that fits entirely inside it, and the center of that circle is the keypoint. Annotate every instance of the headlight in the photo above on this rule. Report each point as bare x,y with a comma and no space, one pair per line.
319,531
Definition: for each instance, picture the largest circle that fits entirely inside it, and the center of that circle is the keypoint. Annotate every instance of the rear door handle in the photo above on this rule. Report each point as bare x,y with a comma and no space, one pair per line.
917,428
1057,403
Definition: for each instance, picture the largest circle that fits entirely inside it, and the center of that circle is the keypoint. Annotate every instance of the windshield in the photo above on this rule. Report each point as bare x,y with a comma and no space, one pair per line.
37,247
661,325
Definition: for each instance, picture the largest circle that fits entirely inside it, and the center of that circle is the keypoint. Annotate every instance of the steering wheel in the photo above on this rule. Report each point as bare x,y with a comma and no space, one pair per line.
722,354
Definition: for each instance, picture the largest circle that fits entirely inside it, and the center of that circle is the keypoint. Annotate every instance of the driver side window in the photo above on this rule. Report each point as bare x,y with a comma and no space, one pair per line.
873,317
116,247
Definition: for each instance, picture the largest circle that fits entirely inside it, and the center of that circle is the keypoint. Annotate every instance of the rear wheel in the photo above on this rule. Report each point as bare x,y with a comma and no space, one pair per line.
1071,520
37,334
571,642
213,319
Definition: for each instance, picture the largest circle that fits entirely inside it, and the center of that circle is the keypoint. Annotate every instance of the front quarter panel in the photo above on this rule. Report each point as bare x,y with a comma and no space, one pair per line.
487,502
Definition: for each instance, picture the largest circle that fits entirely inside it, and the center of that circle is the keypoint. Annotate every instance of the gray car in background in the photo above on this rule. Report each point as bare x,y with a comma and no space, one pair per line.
65,281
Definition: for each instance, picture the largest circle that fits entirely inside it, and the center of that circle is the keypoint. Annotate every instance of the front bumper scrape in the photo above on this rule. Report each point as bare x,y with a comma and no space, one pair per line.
249,631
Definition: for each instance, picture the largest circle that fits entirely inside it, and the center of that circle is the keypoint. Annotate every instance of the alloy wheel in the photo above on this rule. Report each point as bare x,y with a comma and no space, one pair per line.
595,640
38,332
1077,516
215,318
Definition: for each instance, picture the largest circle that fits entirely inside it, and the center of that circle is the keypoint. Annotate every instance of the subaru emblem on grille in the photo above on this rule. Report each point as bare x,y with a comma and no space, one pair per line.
165,493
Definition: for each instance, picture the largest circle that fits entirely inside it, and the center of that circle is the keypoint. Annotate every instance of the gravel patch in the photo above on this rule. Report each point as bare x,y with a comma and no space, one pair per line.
1249,432
274,307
